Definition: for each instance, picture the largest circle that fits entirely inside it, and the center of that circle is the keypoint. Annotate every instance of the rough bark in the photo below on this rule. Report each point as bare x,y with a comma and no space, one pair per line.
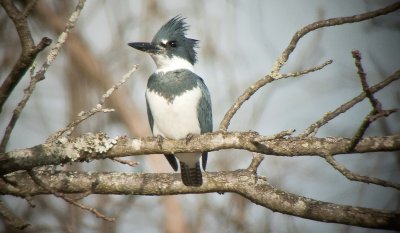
243,182
84,148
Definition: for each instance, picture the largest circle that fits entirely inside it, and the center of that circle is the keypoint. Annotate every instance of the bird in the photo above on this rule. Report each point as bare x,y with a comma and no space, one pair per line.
177,99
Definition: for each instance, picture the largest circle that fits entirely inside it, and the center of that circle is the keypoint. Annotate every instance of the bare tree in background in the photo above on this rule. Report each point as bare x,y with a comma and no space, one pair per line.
33,174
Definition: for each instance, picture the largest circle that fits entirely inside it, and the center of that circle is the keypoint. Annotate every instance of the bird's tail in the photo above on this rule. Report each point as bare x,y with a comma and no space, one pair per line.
191,176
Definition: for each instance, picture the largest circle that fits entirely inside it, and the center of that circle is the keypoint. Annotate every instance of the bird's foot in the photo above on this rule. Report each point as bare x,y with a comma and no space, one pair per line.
159,140
189,137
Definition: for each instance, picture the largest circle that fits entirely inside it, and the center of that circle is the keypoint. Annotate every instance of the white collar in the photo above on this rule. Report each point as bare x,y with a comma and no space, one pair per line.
166,64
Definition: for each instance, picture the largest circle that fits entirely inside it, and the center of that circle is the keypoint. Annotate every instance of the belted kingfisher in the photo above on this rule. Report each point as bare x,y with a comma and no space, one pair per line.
178,101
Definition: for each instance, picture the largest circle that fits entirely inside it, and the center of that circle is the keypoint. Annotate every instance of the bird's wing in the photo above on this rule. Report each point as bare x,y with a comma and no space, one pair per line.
149,115
204,115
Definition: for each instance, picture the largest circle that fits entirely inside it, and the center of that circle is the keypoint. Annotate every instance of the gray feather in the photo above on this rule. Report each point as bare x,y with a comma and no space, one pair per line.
175,30
172,84
204,114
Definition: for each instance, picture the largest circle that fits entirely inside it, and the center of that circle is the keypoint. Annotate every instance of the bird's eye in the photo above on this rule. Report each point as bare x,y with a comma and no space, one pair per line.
172,44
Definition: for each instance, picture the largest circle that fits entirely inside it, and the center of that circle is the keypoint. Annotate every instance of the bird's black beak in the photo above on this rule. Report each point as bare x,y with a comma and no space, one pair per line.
145,47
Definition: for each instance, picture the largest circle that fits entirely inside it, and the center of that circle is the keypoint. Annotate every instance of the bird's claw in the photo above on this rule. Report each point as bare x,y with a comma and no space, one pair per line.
159,140
189,137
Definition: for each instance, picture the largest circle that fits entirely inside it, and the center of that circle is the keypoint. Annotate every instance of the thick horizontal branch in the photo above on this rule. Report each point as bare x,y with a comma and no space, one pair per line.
242,182
90,147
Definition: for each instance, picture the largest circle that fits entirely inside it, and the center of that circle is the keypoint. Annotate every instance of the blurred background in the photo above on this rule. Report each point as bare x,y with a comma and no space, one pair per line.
239,42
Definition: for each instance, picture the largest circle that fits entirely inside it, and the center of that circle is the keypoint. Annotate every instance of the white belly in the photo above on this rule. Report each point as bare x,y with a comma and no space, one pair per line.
189,158
175,119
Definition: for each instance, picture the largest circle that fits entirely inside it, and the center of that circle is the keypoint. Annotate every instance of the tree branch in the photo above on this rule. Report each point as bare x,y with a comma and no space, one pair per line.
376,111
40,74
98,108
11,218
313,128
363,78
29,50
328,23
281,60
242,182
59,150
256,86
38,181
92,147
355,177
255,162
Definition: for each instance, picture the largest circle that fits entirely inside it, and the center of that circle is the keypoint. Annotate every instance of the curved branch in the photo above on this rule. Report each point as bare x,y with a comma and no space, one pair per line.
242,182
281,60
355,177
256,86
328,23
84,148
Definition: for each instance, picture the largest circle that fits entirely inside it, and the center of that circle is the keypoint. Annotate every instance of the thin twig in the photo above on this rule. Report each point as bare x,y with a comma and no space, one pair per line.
376,112
16,113
303,72
313,128
40,74
355,177
67,199
256,86
28,47
125,162
282,59
363,78
374,102
80,196
28,8
11,218
62,38
282,134
98,108
360,132
371,117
